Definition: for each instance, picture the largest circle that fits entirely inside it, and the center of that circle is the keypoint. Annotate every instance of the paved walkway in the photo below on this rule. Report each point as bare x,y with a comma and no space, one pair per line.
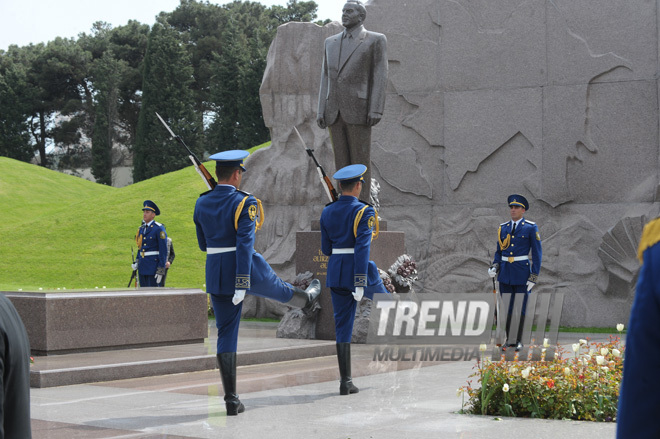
293,399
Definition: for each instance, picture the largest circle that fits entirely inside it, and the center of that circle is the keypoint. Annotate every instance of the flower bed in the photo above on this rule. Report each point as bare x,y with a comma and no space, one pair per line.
580,385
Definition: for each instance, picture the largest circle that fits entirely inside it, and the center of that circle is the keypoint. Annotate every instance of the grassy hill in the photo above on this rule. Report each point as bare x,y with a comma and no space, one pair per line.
59,231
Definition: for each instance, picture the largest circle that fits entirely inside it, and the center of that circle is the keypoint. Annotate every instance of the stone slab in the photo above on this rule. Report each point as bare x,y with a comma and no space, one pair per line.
59,323
384,251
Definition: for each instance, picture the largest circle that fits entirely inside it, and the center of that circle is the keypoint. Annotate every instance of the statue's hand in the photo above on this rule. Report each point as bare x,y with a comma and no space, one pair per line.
373,119
320,121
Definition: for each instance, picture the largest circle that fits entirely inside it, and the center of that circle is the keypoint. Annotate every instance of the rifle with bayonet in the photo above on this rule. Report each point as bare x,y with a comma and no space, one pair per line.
199,167
325,180
134,274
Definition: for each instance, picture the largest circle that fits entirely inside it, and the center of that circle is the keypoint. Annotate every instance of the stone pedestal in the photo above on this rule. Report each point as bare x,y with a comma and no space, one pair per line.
384,251
59,323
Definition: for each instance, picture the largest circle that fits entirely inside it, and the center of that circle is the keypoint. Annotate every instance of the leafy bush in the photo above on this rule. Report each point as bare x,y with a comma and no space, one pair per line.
582,385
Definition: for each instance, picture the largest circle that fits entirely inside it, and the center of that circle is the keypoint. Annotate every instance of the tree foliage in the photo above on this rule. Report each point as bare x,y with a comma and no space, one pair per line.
91,101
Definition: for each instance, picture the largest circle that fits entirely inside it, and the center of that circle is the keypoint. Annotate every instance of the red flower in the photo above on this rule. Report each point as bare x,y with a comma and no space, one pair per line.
550,383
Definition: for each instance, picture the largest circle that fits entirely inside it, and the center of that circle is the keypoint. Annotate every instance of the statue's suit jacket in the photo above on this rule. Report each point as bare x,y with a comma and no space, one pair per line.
355,87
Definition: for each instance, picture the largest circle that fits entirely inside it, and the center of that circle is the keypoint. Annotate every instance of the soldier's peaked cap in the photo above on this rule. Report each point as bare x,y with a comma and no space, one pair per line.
234,157
518,200
350,173
150,205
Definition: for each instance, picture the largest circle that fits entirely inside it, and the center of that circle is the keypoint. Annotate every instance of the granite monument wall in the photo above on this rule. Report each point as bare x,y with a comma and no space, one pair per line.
556,100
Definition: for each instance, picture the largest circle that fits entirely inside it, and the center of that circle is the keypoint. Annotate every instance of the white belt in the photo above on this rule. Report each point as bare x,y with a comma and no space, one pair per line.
216,250
514,258
343,251
150,254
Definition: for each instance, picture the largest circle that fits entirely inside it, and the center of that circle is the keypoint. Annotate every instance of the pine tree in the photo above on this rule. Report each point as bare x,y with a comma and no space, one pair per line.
166,89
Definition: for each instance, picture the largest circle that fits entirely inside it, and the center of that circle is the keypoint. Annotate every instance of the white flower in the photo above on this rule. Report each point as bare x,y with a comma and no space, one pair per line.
600,360
583,341
616,352
604,351
576,347
20,289
513,369
605,369
567,371
556,355
505,388
546,343
525,372
587,357
40,289
483,347
594,375
459,392
619,327
592,352
612,363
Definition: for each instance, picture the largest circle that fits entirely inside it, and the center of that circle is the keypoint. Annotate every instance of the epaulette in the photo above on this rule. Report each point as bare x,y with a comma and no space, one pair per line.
158,224
332,202
243,192
368,204
204,193
530,222
650,237
504,224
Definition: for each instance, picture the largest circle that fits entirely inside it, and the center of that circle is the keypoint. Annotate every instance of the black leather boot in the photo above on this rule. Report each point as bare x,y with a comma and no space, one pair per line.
227,366
344,357
308,298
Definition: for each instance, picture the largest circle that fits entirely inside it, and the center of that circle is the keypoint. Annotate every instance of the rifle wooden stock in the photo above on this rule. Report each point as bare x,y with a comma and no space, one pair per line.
325,180
199,167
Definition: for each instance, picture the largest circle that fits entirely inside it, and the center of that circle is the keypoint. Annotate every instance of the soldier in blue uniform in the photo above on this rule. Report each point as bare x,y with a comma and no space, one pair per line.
226,220
639,399
516,273
347,228
151,241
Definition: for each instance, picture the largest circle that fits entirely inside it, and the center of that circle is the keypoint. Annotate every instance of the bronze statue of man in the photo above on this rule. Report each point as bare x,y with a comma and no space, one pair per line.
352,94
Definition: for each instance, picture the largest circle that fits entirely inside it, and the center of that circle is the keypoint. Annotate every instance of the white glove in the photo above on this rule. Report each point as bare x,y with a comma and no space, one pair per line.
530,285
358,293
159,277
492,271
134,266
239,295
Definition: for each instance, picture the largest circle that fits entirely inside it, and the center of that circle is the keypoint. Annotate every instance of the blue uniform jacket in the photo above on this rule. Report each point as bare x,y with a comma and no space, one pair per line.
215,222
639,399
154,239
525,239
337,231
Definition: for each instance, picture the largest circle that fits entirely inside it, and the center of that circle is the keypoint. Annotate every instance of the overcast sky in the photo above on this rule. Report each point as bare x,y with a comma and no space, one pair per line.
35,21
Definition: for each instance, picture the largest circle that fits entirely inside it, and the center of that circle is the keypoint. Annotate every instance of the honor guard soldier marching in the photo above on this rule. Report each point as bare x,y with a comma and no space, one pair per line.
226,220
151,241
347,228
639,399
516,273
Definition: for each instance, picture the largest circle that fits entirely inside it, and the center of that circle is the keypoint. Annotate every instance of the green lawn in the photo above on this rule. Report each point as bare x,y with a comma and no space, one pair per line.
59,231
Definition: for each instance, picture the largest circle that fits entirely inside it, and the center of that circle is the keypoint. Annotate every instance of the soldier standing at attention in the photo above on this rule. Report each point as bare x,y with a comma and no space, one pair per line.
347,227
226,220
152,248
639,399
515,271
